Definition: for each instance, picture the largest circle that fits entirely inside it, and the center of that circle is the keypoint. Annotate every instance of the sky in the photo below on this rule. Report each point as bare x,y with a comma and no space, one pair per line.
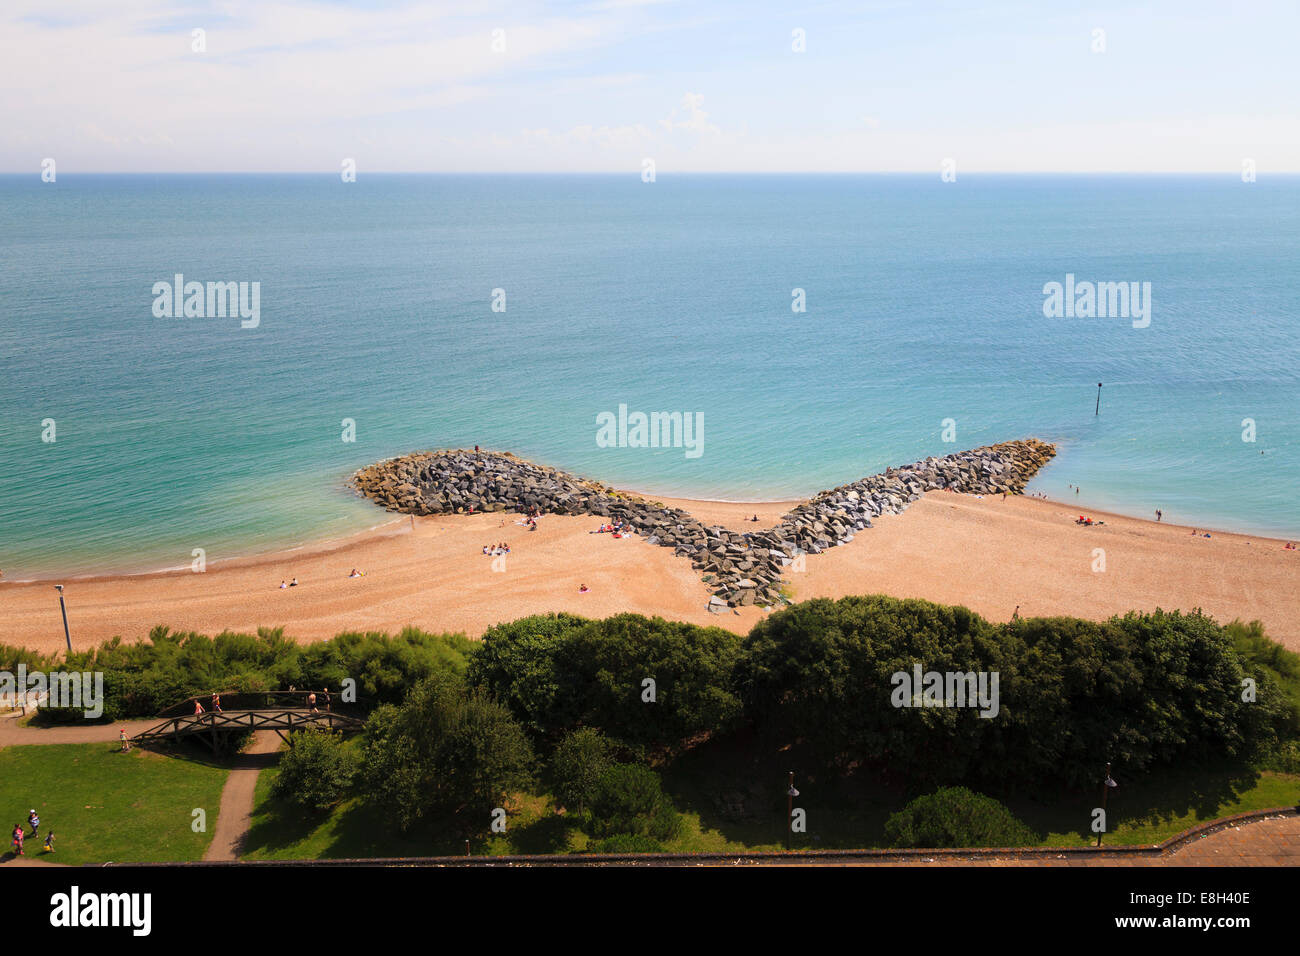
694,85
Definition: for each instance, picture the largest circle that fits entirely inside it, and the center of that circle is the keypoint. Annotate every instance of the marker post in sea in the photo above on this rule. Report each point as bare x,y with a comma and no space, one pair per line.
1098,411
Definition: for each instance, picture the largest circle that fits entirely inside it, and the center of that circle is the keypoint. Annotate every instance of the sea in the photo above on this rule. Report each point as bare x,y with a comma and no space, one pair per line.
817,328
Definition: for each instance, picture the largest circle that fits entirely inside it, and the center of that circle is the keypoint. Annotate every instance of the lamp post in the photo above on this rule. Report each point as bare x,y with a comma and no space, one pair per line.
66,636
790,794
1106,787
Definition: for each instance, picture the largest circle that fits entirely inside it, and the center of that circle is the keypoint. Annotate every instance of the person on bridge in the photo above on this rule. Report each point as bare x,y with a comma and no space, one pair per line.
198,708
327,699
216,703
311,702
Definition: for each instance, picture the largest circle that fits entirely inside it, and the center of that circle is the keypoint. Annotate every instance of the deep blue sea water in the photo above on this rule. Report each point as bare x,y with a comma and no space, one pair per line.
924,303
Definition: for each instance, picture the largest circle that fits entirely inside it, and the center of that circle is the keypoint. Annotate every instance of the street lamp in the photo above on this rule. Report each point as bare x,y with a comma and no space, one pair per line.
66,636
789,809
1107,785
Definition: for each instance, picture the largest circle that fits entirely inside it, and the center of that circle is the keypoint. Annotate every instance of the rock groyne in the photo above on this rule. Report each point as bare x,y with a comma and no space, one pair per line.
741,567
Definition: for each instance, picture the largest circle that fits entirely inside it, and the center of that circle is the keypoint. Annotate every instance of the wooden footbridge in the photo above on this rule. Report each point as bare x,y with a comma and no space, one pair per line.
283,711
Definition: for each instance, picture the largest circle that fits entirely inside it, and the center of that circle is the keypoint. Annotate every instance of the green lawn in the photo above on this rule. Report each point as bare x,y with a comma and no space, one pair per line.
105,806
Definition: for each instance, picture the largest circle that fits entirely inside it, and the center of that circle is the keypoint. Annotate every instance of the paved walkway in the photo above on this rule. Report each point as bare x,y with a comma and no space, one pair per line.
236,813
13,735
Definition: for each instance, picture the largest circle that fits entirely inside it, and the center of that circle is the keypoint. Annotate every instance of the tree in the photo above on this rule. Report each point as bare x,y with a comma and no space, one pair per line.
515,663
630,800
648,682
577,766
316,772
447,749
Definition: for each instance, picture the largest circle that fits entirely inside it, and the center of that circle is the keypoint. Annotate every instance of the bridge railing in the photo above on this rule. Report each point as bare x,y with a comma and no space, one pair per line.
266,700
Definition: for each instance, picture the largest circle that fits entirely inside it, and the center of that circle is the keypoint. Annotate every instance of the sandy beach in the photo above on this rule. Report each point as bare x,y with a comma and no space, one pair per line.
986,553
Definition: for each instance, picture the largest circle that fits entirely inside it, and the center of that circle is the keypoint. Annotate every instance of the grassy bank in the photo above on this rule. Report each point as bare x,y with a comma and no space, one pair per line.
108,806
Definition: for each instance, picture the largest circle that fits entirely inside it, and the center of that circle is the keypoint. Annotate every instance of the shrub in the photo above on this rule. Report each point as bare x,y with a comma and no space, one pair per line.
316,772
515,663
630,800
956,817
446,749
626,843
602,668
577,766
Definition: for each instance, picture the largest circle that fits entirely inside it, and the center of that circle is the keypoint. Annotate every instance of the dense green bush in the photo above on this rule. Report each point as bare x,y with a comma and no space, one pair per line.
384,667
515,663
626,843
142,679
1139,690
630,799
821,672
446,749
316,772
576,767
558,672
956,817
603,669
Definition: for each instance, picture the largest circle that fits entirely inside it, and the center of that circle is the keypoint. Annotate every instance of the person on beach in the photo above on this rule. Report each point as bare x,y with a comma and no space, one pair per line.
582,589
293,583
49,842
1159,514
33,821
1015,615
283,585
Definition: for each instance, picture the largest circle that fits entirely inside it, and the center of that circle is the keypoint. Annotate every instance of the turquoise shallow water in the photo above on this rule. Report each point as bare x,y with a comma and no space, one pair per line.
924,302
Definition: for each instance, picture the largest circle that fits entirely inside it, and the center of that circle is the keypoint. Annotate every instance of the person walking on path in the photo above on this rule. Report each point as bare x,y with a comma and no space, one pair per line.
126,743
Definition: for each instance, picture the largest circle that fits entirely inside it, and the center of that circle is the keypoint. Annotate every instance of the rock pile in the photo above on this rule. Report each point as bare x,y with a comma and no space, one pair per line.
743,568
